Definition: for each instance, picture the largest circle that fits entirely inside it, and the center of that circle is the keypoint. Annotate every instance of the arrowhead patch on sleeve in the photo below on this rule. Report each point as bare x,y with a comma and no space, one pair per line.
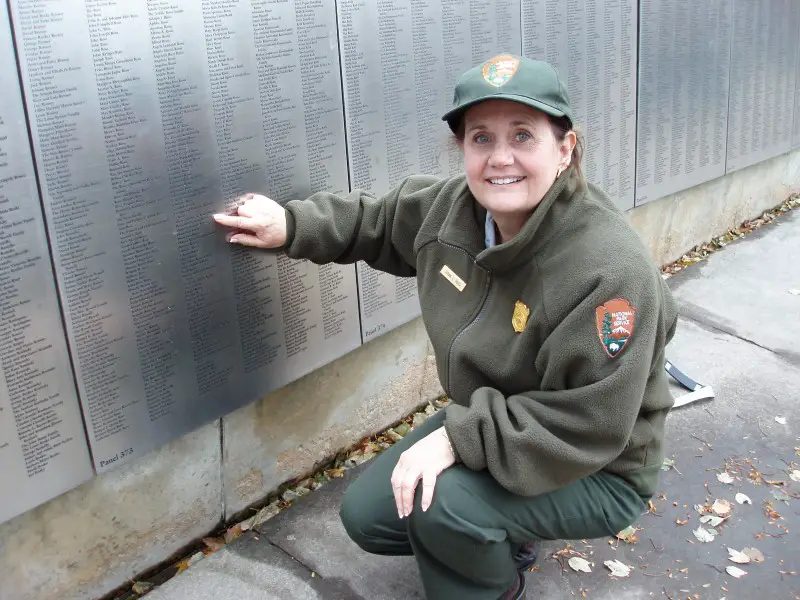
615,320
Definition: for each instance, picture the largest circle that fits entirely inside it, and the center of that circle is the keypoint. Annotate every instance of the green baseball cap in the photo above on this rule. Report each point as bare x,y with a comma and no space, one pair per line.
508,77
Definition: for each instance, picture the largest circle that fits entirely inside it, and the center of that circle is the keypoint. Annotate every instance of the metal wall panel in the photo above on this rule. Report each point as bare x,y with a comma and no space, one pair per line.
763,78
592,44
43,450
796,136
684,66
147,117
401,59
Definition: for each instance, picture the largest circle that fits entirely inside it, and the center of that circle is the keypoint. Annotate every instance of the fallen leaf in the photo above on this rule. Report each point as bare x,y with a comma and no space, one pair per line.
795,475
393,435
780,495
780,420
738,557
580,564
232,533
266,513
183,565
770,511
403,429
214,544
735,572
617,568
667,464
628,535
754,555
712,520
724,477
142,587
681,521
703,535
721,507
743,499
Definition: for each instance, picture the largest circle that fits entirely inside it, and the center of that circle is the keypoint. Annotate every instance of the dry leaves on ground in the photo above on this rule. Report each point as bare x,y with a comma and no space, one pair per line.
725,477
703,535
628,535
721,507
754,555
738,557
580,564
735,572
617,568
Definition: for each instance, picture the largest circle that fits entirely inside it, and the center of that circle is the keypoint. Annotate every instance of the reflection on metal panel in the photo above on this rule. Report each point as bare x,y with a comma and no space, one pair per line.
400,62
763,79
592,45
43,451
684,66
147,116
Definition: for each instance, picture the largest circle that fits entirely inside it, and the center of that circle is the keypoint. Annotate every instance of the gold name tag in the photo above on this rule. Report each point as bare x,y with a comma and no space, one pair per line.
459,283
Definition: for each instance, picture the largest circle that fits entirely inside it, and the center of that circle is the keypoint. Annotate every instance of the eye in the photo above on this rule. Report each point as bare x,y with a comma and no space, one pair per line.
481,138
522,136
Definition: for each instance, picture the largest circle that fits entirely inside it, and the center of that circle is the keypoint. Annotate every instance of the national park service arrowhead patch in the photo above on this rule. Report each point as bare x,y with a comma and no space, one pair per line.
499,70
615,320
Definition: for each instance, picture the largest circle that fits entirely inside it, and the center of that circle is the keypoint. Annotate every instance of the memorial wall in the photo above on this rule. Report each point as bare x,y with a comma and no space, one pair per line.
796,135
684,66
146,117
124,124
43,450
763,76
399,60
592,44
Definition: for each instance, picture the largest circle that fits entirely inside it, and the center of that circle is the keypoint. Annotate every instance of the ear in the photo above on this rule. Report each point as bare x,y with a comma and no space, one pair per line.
567,146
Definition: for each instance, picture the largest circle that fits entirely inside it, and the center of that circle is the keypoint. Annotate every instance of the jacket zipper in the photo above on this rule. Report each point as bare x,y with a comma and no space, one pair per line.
469,324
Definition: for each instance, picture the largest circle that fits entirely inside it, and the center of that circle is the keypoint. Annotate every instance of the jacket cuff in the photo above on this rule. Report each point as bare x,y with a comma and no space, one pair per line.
450,437
291,228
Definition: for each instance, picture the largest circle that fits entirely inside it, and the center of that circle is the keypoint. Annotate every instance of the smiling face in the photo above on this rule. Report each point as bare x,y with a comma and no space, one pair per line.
511,156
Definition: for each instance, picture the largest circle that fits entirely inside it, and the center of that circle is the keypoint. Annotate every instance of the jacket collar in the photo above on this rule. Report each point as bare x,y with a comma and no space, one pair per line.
465,223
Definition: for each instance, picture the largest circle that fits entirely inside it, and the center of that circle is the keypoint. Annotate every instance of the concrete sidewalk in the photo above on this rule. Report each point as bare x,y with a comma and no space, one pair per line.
740,333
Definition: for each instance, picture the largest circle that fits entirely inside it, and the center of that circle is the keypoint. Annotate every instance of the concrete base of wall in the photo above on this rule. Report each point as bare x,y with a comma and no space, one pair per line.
674,224
96,537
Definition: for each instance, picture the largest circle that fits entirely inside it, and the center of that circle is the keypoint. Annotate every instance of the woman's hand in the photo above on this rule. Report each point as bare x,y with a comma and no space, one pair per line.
259,222
424,460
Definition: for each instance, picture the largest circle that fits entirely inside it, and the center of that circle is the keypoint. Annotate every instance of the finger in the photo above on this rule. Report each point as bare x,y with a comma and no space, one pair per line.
398,476
428,483
232,233
237,222
258,208
245,239
407,490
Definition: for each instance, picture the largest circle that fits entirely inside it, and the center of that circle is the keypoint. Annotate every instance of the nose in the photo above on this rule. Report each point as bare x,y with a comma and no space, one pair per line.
501,156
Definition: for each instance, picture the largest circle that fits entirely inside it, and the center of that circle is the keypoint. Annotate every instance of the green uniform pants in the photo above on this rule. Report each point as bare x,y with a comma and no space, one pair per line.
465,542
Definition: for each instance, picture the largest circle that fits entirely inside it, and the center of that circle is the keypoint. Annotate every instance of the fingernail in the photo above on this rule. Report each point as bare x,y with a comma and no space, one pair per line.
233,240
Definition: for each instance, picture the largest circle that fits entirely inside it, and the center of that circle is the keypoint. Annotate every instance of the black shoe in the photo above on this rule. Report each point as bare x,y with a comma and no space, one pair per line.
517,589
526,556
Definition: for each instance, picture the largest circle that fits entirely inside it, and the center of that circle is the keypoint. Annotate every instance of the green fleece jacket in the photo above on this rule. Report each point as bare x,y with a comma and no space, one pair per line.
578,385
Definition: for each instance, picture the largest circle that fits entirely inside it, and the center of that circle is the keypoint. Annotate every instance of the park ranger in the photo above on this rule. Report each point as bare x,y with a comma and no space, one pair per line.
548,321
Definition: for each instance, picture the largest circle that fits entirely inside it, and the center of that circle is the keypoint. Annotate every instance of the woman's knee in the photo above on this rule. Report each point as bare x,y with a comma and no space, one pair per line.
355,517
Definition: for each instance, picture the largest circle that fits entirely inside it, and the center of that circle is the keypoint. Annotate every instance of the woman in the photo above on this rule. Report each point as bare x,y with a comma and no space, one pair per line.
548,321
